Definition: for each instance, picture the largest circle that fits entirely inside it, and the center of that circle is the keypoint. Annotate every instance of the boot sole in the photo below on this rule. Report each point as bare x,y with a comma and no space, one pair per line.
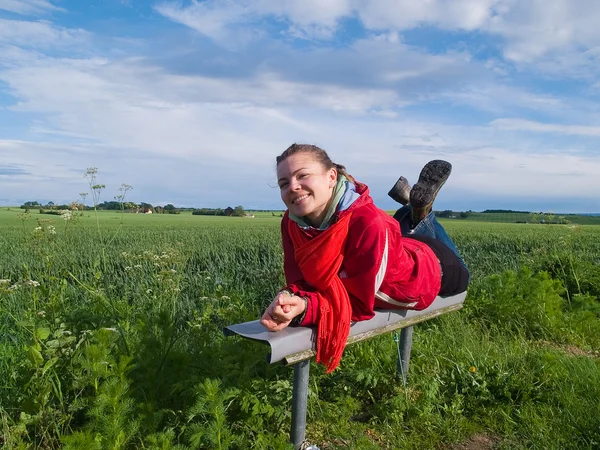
432,178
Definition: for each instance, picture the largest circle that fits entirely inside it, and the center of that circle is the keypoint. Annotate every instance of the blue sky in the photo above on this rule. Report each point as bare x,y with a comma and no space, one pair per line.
190,101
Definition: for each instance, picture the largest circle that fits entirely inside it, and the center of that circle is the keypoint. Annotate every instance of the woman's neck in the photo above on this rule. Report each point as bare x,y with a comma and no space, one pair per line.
317,221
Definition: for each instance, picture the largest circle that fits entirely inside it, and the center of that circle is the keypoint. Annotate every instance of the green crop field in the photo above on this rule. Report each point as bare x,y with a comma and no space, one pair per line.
111,338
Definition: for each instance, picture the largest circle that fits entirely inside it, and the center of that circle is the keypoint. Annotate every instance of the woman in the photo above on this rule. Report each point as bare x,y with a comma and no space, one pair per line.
344,257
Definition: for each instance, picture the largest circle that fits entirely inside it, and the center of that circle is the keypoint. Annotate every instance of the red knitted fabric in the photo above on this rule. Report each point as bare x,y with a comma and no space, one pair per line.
320,260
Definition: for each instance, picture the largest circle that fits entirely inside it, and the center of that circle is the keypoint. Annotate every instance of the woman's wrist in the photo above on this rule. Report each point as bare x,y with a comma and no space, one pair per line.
286,291
296,321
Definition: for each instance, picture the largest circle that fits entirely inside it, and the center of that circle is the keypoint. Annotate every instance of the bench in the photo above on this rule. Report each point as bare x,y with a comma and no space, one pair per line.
294,346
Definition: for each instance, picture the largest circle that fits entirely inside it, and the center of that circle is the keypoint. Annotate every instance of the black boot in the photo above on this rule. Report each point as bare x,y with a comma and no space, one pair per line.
401,191
423,193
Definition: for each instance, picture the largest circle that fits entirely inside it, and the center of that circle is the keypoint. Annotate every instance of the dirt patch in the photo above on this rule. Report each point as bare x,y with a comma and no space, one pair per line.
480,441
571,349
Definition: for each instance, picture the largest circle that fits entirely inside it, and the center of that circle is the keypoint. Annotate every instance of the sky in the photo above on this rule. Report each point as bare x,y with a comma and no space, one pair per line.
190,102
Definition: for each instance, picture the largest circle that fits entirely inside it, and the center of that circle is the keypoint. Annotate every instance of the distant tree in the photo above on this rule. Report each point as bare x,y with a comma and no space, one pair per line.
239,211
28,205
464,215
145,207
446,213
170,209
112,205
228,211
504,211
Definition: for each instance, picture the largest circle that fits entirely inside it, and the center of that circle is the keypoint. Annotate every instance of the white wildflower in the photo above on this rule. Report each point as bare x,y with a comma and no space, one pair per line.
41,313
128,268
5,281
138,266
148,291
224,297
156,265
14,287
32,283
173,271
155,257
124,254
164,255
37,229
51,229
66,214
67,333
114,330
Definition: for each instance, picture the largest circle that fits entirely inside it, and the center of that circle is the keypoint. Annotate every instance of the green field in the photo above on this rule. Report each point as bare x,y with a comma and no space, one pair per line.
110,338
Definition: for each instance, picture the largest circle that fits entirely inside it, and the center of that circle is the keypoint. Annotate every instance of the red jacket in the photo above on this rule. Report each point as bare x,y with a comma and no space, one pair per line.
375,249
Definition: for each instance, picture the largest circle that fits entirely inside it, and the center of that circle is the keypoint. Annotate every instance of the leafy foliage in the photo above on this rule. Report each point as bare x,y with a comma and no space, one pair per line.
113,340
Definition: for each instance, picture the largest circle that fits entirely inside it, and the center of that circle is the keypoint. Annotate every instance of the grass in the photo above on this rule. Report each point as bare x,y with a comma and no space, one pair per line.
120,344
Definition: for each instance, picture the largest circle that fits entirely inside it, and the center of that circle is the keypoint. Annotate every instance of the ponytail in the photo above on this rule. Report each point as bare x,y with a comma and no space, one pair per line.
341,170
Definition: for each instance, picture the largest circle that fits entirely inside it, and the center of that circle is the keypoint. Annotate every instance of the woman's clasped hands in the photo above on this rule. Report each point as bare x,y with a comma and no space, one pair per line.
282,310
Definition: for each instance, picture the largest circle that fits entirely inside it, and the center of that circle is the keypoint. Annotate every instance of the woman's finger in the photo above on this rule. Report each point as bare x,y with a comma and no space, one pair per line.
268,322
273,325
284,313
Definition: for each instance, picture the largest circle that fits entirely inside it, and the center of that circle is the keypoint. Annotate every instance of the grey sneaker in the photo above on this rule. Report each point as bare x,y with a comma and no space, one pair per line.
401,191
423,193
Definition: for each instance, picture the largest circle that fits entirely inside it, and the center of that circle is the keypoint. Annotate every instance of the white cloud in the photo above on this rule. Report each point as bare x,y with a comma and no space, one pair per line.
211,18
28,7
537,127
561,36
321,12
486,171
499,98
188,132
243,166
220,19
407,14
536,29
40,35
105,101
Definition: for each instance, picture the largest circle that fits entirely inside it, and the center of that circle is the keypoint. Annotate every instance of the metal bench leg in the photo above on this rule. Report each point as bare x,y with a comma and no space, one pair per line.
299,401
405,346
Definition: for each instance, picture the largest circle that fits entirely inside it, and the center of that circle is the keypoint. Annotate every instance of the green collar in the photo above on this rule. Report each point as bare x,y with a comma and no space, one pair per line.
338,193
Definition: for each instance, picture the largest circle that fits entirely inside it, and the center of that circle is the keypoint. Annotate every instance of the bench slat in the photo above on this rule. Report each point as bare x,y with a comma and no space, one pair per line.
294,344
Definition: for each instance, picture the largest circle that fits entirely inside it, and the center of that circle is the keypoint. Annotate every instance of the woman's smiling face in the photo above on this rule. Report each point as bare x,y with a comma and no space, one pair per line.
306,186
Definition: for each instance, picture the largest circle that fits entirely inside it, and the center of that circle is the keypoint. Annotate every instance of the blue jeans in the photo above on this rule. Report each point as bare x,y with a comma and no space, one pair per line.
429,226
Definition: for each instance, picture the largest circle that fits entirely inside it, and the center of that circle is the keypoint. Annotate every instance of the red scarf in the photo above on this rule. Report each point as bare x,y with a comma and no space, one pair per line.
320,260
